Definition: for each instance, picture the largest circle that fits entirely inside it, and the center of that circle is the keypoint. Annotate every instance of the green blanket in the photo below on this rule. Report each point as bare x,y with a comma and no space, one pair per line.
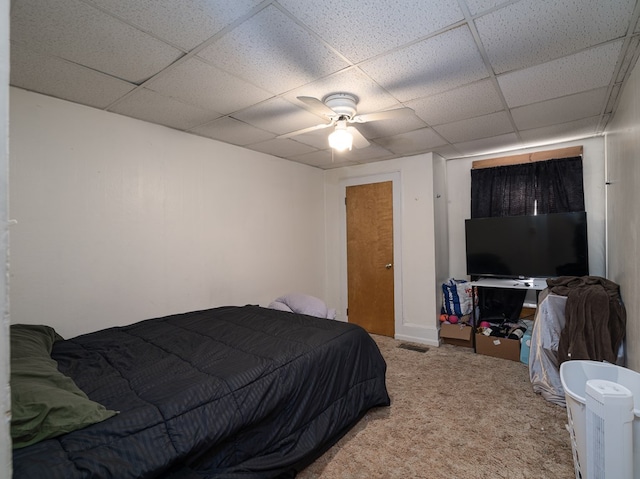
44,402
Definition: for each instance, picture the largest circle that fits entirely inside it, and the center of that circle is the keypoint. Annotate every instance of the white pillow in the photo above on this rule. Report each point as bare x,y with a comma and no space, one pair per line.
279,306
304,304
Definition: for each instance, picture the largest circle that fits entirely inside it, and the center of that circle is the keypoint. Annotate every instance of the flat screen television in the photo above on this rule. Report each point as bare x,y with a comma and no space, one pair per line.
537,246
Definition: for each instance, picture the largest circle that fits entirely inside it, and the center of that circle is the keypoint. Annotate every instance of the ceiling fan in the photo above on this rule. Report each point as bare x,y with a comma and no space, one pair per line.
340,109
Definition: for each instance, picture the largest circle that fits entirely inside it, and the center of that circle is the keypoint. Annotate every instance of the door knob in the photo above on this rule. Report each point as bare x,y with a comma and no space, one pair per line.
388,266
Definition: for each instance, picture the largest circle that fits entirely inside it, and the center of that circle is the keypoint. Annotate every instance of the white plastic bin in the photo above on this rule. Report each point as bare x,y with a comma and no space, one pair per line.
574,376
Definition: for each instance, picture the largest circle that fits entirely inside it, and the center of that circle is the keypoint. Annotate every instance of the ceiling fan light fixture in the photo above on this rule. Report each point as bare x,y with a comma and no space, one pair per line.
341,139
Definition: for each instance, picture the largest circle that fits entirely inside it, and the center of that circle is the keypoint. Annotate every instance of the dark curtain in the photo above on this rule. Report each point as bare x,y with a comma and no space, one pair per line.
560,186
513,190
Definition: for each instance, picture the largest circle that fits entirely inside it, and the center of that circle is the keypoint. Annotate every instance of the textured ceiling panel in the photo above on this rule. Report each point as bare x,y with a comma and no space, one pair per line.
560,110
373,152
282,147
318,139
273,52
233,131
62,79
149,105
523,34
323,159
475,128
479,6
391,127
424,139
200,84
183,23
471,100
432,66
278,116
361,29
319,159
75,31
573,129
447,151
482,76
507,141
579,72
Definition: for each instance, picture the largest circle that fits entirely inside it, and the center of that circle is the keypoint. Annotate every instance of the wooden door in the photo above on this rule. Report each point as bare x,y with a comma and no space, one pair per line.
370,257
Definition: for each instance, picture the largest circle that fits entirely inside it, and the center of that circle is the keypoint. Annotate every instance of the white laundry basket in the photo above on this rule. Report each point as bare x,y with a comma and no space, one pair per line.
574,376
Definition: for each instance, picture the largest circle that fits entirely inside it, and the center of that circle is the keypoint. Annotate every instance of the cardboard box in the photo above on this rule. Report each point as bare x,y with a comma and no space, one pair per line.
457,334
498,347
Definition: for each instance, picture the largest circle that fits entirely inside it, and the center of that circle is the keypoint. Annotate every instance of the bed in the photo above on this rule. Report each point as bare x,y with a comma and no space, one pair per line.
230,392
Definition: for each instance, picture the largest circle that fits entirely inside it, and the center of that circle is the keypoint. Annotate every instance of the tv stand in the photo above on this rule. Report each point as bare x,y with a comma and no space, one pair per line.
535,284
531,284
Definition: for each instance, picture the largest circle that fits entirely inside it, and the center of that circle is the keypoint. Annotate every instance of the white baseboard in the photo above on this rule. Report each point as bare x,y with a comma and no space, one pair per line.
417,339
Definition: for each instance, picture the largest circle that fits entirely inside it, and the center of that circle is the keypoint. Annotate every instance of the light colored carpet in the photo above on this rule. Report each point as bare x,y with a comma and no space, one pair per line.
453,414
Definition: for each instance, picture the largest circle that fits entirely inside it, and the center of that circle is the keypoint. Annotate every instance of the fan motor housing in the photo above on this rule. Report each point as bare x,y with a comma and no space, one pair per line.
344,104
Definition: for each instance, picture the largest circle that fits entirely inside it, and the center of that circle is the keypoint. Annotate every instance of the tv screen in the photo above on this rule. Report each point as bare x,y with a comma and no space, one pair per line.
537,246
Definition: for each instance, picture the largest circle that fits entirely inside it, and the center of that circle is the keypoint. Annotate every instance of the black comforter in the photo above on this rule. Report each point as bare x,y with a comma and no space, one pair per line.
229,392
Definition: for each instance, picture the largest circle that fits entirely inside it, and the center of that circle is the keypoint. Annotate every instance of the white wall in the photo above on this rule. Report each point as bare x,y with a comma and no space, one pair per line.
415,241
5,392
459,199
441,225
623,198
120,220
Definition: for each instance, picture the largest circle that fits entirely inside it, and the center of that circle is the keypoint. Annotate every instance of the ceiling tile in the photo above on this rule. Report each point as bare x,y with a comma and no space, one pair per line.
479,6
471,100
412,142
563,132
278,116
183,23
200,84
335,165
380,26
322,159
151,106
318,139
474,128
62,79
429,67
233,131
274,52
489,145
395,126
523,34
560,110
82,34
282,148
447,152
582,71
371,153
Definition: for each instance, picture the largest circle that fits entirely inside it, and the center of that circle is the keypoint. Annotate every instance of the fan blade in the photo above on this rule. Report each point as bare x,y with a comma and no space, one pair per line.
317,106
359,141
305,130
382,115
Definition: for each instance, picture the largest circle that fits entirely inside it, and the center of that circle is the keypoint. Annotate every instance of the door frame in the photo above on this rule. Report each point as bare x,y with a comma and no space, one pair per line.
395,178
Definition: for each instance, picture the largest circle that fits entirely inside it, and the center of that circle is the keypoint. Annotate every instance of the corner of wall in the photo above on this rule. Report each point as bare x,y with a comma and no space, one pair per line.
5,391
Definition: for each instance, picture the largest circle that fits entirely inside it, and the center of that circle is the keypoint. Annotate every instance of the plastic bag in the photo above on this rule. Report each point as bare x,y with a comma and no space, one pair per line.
457,297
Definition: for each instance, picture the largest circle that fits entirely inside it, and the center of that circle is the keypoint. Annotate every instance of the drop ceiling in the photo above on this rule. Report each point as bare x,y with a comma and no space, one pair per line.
481,75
